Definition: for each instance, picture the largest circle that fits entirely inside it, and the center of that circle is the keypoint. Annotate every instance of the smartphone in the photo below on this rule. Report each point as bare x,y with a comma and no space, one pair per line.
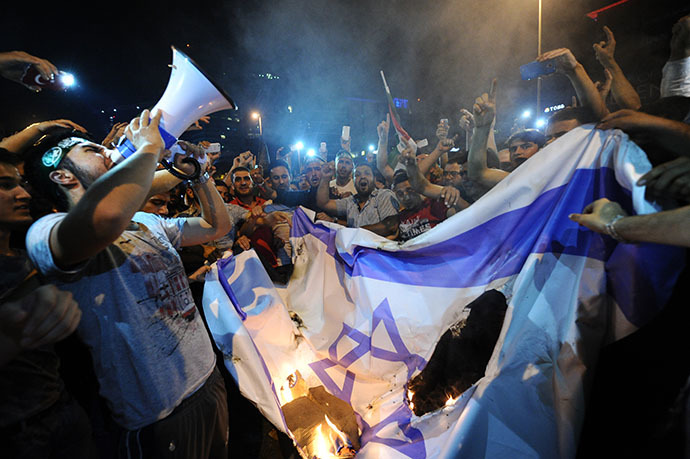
422,143
536,69
62,80
213,148
346,133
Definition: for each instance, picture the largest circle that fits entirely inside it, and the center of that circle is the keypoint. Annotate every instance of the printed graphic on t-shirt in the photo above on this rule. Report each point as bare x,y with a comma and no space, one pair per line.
167,289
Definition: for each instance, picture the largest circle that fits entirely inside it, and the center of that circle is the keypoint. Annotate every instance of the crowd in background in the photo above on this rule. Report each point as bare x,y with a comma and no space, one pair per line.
119,252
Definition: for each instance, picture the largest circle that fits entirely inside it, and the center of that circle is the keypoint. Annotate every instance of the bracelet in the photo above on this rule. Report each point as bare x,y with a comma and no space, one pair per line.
203,178
611,229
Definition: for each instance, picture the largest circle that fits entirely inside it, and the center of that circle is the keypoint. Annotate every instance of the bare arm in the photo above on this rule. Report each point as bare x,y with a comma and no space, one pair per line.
323,199
214,221
666,227
382,155
386,227
484,112
106,208
670,134
421,185
22,140
623,92
585,89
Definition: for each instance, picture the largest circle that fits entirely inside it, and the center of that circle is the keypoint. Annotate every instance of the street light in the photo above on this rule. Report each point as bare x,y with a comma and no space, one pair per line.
539,54
257,116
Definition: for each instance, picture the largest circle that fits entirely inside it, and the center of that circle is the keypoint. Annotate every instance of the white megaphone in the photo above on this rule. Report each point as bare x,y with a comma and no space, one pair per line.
189,96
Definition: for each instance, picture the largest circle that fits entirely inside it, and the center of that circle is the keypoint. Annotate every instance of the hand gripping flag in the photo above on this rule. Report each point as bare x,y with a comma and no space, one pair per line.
361,314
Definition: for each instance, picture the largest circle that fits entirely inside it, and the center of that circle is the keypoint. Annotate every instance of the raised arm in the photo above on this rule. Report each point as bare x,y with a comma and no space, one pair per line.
484,112
323,200
622,91
382,154
106,208
449,194
19,142
586,91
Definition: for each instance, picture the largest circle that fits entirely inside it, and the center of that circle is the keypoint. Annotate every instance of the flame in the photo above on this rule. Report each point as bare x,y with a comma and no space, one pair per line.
328,445
321,447
450,401
410,394
285,395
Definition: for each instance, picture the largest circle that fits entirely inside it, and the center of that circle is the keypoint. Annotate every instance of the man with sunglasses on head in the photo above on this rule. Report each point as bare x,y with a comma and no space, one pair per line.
151,352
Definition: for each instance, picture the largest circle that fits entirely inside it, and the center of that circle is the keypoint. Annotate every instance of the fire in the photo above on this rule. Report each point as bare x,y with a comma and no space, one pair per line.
410,394
450,401
330,445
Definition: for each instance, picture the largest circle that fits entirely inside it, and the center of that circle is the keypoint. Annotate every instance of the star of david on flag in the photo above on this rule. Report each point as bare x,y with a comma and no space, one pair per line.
361,314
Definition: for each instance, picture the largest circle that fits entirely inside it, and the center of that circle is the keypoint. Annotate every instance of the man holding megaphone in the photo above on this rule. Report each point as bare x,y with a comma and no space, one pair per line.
151,352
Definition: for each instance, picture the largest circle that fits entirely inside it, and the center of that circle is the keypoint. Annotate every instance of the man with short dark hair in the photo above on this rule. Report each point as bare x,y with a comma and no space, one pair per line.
151,352
371,208
342,185
38,418
245,195
564,121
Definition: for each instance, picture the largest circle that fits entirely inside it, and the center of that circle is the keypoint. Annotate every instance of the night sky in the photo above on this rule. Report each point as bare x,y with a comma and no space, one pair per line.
327,55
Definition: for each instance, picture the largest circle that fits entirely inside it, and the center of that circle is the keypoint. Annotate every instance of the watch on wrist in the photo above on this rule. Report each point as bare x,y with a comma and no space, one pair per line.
203,178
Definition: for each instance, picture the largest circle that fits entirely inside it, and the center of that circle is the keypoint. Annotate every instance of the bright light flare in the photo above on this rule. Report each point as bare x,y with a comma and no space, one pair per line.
67,79
526,114
255,115
540,123
299,146
311,152
371,147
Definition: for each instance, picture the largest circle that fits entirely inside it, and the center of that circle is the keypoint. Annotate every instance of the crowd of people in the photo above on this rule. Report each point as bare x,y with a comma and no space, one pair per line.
118,253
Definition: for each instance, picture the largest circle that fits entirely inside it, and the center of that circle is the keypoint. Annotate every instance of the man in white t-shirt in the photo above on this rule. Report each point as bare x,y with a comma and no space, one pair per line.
151,352
342,185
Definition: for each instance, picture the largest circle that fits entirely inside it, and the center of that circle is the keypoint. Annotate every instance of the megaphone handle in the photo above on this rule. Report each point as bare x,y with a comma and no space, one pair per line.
193,176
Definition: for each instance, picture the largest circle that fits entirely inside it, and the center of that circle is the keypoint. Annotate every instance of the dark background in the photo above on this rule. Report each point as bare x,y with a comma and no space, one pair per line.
327,55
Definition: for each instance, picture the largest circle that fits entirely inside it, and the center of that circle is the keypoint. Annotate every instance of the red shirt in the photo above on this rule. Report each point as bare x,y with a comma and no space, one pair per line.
414,223
258,201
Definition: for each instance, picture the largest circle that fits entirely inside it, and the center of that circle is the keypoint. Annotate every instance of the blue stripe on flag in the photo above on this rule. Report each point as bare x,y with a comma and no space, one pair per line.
499,247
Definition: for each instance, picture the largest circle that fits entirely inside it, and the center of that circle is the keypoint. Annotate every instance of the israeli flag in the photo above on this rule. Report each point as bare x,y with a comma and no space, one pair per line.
361,315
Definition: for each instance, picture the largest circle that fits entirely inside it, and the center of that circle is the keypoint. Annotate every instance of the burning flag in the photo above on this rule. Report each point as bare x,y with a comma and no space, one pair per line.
362,315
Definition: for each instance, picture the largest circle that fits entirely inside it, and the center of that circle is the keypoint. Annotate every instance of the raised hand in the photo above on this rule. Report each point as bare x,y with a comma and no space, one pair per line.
383,127
13,64
143,131
485,107
116,132
605,87
604,49
562,59
466,120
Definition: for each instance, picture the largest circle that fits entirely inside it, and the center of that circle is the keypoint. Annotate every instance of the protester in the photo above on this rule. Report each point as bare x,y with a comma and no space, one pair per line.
110,257
371,208
38,417
342,185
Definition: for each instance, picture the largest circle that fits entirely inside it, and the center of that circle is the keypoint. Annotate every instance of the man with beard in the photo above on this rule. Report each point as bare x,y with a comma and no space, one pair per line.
152,355
342,185
370,208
